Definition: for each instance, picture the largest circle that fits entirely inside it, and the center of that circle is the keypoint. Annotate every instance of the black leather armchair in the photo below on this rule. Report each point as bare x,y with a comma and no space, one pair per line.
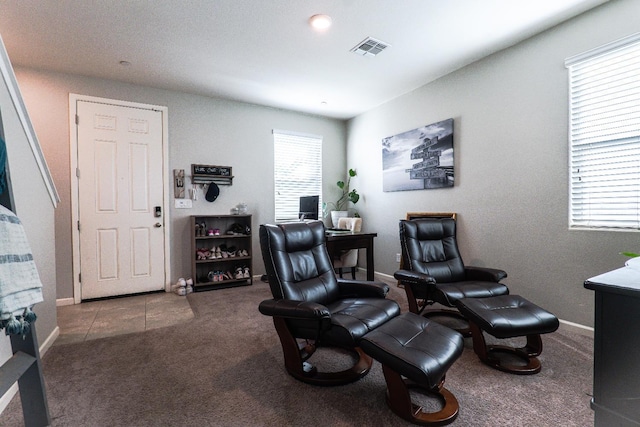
312,308
432,269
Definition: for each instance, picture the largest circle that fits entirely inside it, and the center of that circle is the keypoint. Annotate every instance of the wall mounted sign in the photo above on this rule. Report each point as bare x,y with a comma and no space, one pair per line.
205,174
419,159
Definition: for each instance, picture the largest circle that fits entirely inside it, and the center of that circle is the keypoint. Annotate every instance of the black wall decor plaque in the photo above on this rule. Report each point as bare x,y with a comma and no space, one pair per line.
210,171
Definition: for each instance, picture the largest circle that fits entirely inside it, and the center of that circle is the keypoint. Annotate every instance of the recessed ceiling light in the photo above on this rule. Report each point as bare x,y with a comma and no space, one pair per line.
320,22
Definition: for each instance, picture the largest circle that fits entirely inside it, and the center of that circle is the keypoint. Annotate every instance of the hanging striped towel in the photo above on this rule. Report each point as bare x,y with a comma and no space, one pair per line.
20,286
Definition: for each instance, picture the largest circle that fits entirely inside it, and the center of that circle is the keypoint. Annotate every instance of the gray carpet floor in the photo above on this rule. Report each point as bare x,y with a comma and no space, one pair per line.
225,368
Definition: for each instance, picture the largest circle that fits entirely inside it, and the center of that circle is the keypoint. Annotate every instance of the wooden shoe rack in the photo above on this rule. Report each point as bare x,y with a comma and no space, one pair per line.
220,246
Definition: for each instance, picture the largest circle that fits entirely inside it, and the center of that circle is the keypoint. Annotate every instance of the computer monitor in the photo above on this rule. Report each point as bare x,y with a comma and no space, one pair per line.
309,207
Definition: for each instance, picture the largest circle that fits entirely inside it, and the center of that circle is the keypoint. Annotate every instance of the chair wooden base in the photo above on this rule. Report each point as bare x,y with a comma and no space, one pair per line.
399,400
430,314
296,354
489,354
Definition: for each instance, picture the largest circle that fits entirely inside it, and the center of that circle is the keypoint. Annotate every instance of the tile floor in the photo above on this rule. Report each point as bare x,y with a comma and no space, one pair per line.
105,318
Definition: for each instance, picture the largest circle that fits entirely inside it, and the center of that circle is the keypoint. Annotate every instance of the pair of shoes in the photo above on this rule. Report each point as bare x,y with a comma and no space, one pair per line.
215,253
183,287
215,276
243,252
227,252
181,283
203,254
201,230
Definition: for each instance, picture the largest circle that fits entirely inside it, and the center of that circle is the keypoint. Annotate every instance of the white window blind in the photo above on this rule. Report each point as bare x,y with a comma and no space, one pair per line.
298,171
604,132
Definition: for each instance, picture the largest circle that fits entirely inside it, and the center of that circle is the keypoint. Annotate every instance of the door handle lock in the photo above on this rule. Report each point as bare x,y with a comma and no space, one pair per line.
157,225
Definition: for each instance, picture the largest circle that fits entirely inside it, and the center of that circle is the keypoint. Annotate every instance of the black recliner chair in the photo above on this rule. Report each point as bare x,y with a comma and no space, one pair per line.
432,270
312,308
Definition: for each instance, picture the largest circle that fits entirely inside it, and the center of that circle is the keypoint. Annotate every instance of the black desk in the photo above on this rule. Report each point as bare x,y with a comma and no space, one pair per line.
616,356
341,241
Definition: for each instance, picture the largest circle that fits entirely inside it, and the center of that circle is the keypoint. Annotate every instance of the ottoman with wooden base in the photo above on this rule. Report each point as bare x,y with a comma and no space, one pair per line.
416,353
508,316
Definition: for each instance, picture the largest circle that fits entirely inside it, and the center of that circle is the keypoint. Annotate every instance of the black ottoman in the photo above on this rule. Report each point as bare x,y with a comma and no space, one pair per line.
422,351
508,316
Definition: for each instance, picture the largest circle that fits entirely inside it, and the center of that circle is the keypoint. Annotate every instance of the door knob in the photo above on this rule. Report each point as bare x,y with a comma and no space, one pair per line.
158,225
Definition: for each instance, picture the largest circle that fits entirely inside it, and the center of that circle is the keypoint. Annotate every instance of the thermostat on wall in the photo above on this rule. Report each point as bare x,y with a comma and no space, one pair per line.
183,203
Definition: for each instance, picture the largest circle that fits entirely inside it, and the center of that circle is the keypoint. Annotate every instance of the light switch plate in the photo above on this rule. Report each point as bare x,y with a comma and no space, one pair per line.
183,203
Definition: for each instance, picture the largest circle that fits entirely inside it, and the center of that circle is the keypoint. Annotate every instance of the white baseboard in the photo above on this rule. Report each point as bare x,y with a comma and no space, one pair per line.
381,275
577,328
64,301
48,342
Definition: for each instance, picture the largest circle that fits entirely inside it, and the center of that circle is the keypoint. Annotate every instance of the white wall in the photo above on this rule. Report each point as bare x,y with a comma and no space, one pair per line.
511,174
201,130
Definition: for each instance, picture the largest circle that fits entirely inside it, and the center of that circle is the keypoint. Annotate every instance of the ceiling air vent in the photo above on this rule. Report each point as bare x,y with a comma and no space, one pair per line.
370,47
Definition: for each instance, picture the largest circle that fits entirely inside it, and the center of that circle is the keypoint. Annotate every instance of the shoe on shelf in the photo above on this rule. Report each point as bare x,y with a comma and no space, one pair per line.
246,274
224,251
239,273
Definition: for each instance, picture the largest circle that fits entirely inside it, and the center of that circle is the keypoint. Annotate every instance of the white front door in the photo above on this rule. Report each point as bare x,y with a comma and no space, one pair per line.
120,199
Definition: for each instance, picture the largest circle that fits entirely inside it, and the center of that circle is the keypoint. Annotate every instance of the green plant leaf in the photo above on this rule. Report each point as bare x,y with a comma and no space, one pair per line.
630,254
354,196
340,184
352,172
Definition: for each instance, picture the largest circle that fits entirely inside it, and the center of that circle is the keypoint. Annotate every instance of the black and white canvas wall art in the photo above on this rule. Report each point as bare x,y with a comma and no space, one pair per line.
419,159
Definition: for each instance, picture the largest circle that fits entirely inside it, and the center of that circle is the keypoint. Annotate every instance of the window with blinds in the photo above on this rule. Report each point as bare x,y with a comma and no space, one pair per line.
604,133
298,172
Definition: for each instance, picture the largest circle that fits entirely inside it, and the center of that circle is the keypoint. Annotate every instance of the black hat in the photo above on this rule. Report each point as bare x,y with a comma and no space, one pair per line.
212,192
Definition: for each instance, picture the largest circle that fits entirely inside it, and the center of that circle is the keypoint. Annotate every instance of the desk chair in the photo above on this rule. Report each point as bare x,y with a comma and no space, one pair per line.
348,259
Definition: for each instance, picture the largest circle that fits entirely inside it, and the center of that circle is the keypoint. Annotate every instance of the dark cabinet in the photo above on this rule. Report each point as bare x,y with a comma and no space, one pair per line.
616,367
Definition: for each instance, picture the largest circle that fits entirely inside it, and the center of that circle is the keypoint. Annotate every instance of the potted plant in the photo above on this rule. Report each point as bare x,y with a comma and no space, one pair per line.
341,206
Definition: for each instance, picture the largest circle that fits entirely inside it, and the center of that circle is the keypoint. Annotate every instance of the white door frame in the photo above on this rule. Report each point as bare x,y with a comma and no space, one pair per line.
75,235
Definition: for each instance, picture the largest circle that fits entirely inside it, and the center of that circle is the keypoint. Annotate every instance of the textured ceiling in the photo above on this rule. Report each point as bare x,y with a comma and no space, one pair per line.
264,52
